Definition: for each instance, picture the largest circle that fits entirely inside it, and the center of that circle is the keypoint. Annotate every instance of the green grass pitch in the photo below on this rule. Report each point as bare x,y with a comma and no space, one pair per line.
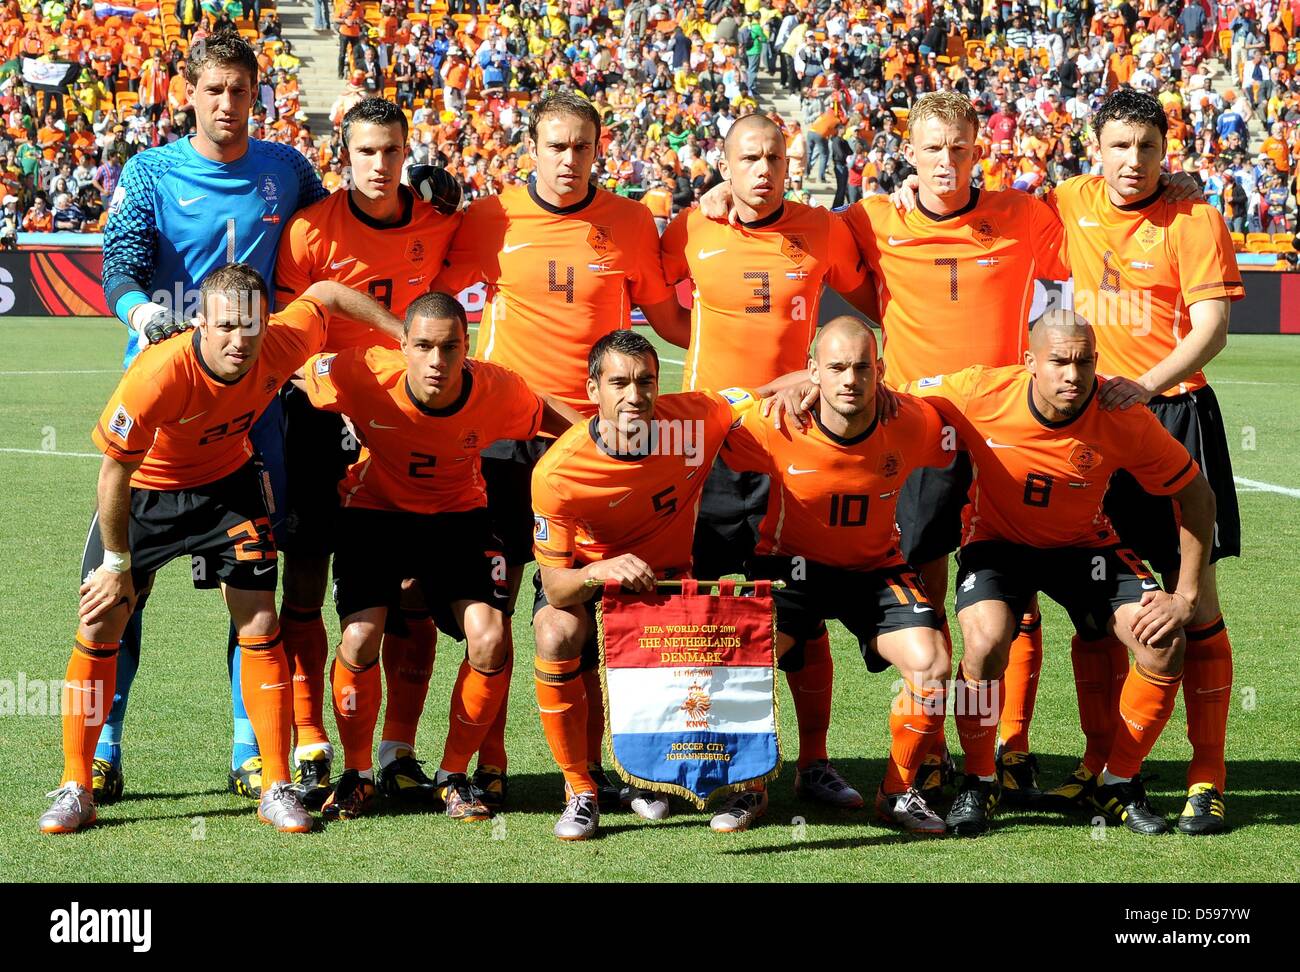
178,823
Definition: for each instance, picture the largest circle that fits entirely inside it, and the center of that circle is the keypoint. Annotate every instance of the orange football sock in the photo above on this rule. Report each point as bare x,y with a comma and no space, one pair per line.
89,684
1144,707
1207,693
914,719
475,701
979,708
562,700
357,694
595,714
811,689
492,752
937,744
1020,683
408,665
307,649
1100,668
267,684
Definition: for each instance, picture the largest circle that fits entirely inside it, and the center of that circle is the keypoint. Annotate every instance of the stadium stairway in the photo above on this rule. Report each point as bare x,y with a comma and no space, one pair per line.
317,77
772,96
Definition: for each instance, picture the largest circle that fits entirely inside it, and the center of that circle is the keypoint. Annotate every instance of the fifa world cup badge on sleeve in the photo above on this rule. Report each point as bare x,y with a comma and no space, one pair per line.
690,688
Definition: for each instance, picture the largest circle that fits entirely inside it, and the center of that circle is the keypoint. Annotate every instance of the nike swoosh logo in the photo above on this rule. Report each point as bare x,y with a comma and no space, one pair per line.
275,686
187,203
614,503
510,248
996,445
78,688
919,732
900,240
921,608
1087,222
705,254
376,425
1221,688
343,263
797,472
192,418
1148,586
259,571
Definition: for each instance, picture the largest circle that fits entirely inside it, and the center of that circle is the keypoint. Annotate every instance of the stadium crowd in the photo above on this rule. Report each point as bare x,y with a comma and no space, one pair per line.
670,78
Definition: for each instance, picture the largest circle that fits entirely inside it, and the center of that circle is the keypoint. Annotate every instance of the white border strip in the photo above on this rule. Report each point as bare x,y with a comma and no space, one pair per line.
1257,486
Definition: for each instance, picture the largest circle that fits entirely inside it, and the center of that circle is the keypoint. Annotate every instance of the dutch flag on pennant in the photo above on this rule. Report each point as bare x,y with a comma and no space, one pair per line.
690,688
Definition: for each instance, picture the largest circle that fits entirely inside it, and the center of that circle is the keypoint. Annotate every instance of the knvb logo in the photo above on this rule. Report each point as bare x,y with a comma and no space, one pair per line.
75,926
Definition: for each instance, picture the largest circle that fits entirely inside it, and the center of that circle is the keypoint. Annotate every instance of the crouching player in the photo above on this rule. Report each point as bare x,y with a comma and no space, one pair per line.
829,533
414,506
1044,452
178,479
614,499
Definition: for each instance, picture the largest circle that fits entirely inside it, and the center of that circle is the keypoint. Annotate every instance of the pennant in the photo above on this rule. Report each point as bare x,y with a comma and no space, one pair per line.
690,688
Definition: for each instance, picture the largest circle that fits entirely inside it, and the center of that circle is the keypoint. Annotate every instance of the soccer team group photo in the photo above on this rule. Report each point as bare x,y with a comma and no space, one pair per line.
442,522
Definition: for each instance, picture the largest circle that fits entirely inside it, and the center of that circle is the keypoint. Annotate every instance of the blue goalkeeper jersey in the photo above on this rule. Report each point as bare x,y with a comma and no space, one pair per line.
176,215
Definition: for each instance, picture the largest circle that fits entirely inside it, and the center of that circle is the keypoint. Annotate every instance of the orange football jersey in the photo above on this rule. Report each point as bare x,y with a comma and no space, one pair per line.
1041,483
833,499
416,458
756,290
558,279
392,262
590,504
1136,272
189,426
956,290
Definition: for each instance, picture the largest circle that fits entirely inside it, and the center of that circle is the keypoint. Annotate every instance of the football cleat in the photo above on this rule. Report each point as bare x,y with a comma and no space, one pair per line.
73,809
909,811
1018,777
972,808
312,778
106,782
649,805
740,812
459,800
246,781
936,773
403,779
1072,795
1204,812
492,786
581,816
282,808
353,797
1126,802
820,782
607,791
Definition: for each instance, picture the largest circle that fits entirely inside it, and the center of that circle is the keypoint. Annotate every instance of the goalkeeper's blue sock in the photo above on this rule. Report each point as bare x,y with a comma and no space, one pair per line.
109,746
244,741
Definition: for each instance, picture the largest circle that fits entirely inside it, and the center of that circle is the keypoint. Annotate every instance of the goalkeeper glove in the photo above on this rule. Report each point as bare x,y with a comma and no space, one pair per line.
436,185
155,323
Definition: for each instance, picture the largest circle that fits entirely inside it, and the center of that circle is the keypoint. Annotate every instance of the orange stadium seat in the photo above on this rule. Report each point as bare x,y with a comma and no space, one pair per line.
1238,241
1283,238
1258,243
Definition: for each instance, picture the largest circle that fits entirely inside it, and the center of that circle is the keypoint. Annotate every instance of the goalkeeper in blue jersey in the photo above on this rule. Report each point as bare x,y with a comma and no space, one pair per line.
180,211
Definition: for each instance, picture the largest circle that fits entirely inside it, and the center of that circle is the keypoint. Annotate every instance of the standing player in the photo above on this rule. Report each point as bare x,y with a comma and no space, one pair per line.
1157,278
376,237
564,261
829,533
414,505
613,500
180,211
179,478
1044,451
981,251
757,287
